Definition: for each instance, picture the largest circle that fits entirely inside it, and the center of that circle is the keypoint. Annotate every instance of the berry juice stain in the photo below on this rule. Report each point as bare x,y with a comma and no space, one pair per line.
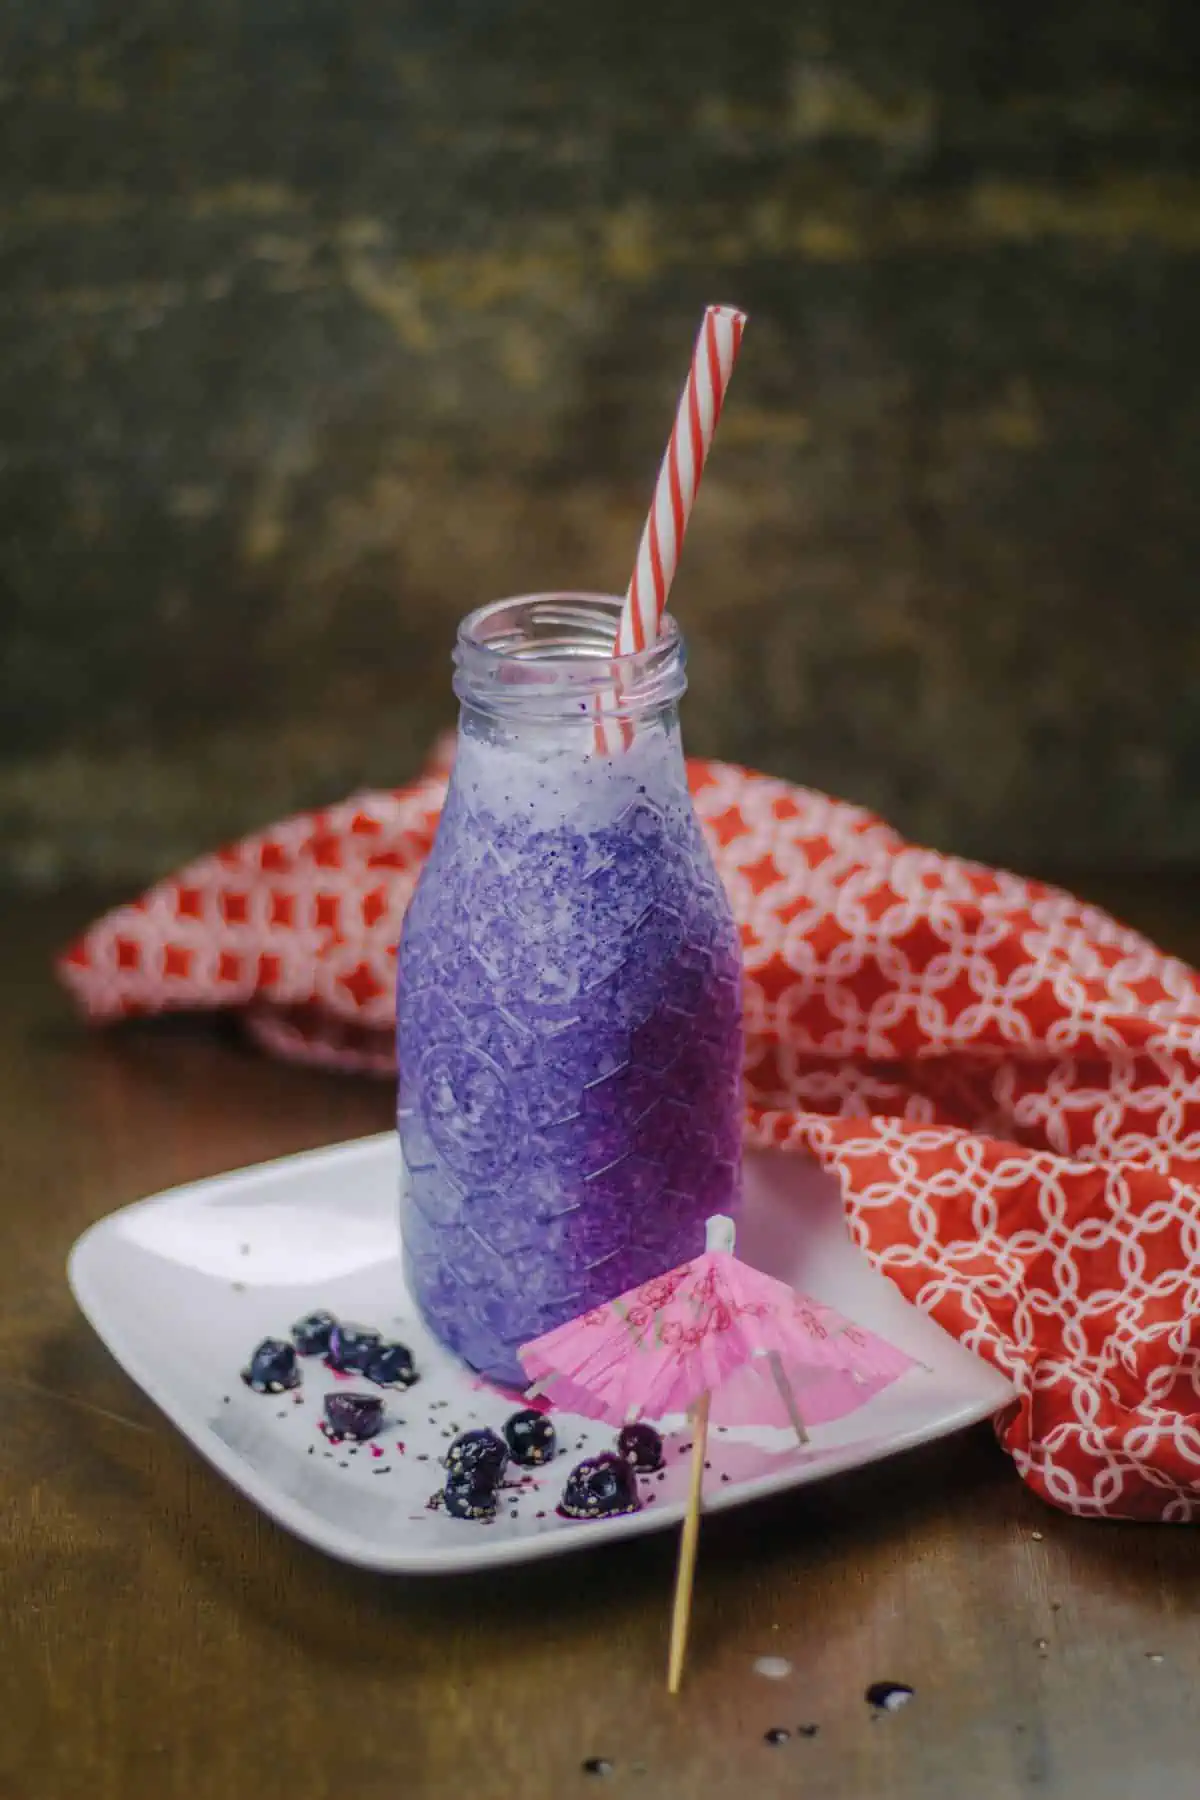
888,1696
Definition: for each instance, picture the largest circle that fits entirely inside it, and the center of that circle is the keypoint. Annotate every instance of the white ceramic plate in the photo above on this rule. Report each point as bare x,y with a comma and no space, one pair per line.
181,1287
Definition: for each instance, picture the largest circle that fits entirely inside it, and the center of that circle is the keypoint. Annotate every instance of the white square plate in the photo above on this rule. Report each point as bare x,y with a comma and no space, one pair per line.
181,1287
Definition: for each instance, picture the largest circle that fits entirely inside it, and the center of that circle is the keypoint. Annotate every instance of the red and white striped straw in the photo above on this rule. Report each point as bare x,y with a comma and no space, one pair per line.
716,351
691,439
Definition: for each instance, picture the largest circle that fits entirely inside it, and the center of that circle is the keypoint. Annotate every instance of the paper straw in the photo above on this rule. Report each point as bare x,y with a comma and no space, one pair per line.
713,358
716,351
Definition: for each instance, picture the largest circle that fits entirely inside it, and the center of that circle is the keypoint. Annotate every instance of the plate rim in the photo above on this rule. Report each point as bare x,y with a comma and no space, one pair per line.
326,1535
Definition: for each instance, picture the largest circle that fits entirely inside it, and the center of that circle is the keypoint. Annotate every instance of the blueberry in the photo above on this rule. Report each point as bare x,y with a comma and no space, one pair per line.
391,1365
311,1335
272,1368
354,1415
351,1347
530,1438
641,1447
480,1453
600,1487
469,1495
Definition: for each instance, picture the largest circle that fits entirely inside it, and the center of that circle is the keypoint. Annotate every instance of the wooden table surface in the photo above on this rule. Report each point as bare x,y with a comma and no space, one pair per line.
162,1641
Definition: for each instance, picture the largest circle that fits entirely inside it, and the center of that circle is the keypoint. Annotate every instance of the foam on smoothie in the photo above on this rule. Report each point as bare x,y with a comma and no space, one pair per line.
566,781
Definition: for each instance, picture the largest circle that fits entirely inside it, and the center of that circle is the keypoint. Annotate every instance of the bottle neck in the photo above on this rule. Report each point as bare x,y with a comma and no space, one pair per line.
556,731
542,668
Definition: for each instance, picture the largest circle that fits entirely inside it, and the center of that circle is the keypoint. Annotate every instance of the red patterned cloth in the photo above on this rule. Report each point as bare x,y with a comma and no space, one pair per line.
1005,1081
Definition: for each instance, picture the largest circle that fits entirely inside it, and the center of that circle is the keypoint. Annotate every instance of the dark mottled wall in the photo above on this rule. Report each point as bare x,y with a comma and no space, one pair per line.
323,320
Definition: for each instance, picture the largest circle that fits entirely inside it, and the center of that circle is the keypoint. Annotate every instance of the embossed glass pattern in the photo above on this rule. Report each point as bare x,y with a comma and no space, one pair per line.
569,992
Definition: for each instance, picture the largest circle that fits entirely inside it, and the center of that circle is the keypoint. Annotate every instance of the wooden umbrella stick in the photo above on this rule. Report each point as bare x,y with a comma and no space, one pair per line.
689,1539
788,1397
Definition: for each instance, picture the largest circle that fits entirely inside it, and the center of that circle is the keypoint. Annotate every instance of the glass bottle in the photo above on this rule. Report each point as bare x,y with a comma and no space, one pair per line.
569,1005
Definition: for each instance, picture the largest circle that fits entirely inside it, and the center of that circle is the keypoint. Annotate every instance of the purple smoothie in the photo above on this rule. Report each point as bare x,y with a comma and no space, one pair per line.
569,1033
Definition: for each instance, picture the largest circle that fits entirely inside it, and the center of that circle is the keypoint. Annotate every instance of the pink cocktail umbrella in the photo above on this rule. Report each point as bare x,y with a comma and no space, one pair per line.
752,1397
780,1354
668,1346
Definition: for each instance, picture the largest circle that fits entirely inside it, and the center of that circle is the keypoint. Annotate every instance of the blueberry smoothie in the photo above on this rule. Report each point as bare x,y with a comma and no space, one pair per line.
569,1003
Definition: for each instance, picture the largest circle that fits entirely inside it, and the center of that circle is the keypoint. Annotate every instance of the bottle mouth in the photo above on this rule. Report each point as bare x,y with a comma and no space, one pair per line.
548,659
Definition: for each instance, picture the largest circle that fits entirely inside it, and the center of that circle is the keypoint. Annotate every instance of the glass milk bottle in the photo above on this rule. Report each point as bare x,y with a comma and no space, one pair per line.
570,1034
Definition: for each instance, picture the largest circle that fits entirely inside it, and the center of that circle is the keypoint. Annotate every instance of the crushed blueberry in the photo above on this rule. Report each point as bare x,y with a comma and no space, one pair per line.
530,1437
272,1368
600,1487
351,1347
311,1335
391,1365
469,1495
641,1447
481,1452
354,1415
